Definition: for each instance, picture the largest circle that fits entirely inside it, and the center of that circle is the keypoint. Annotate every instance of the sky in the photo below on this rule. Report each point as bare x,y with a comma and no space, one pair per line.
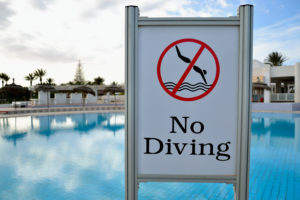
55,34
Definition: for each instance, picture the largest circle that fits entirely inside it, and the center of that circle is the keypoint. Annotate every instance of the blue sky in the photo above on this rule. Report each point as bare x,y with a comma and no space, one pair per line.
270,12
277,28
55,34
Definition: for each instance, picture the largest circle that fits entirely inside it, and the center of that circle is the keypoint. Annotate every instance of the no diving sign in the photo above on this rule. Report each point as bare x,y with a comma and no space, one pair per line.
190,89
188,99
186,88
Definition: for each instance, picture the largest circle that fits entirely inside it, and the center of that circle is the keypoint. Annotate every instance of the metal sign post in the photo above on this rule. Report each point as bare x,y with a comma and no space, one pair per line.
131,183
188,84
245,88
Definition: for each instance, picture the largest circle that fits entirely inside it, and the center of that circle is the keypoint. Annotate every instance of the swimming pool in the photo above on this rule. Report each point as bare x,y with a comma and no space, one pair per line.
81,156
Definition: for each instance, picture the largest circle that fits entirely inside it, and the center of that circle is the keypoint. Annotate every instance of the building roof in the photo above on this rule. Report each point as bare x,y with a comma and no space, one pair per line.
258,85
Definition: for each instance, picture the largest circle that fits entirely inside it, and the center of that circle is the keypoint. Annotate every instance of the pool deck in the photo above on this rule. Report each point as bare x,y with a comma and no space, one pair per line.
276,107
62,109
44,110
276,111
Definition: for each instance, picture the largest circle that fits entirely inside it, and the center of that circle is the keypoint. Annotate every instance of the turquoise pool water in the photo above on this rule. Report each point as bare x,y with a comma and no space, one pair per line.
81,156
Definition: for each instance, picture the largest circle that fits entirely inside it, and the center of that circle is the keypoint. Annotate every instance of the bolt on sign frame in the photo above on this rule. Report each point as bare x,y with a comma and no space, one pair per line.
244,22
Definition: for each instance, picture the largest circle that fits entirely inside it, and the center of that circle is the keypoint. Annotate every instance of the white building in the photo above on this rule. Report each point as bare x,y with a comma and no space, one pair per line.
66,95
275,84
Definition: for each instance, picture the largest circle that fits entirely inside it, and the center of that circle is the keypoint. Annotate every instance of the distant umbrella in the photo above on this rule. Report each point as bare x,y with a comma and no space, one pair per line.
100,92
113,89
46,88
63,91
84,89
14,88
13,92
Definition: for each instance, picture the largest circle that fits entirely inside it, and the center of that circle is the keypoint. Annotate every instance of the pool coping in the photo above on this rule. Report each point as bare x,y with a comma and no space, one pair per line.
62,110
277,111
88,109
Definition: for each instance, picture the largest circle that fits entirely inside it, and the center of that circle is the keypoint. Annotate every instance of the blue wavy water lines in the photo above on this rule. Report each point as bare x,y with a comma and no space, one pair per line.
188,86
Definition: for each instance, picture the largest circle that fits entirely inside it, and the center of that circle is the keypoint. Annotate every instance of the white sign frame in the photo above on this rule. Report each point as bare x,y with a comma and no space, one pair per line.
244,21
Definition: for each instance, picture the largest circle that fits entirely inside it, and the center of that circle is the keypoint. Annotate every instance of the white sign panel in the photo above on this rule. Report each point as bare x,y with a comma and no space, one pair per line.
187,96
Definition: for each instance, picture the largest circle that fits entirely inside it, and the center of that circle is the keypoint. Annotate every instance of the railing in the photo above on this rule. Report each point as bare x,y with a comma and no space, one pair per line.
283,97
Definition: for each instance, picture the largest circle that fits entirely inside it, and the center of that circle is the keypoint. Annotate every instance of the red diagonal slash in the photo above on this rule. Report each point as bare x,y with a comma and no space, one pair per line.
187,71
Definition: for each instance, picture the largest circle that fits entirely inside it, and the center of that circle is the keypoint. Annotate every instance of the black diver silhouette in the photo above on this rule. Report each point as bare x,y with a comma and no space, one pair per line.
196,68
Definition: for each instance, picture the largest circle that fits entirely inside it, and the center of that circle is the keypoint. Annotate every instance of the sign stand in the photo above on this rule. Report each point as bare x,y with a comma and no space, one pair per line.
240,179
245,88
131,184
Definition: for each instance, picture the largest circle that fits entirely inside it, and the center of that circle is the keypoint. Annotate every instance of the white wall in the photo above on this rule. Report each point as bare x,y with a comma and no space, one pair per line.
76,98
91,98
297,83
267,96
43,97
260,69
283,71
60,98
107,98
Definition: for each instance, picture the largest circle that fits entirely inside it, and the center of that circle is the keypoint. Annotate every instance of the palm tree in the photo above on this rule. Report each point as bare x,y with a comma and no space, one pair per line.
98,80
4,77
30,77
50,81
1,77
114,83
275,59
40,73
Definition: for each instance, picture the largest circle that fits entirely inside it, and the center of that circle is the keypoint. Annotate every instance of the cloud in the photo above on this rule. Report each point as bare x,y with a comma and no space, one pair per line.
209,8
282,36
41,4
151,6
242,2
222,3
57,33
104,4
44,32
5,14
47,54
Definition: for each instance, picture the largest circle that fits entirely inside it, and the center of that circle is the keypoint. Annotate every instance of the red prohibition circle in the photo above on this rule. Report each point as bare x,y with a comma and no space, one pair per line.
206,47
